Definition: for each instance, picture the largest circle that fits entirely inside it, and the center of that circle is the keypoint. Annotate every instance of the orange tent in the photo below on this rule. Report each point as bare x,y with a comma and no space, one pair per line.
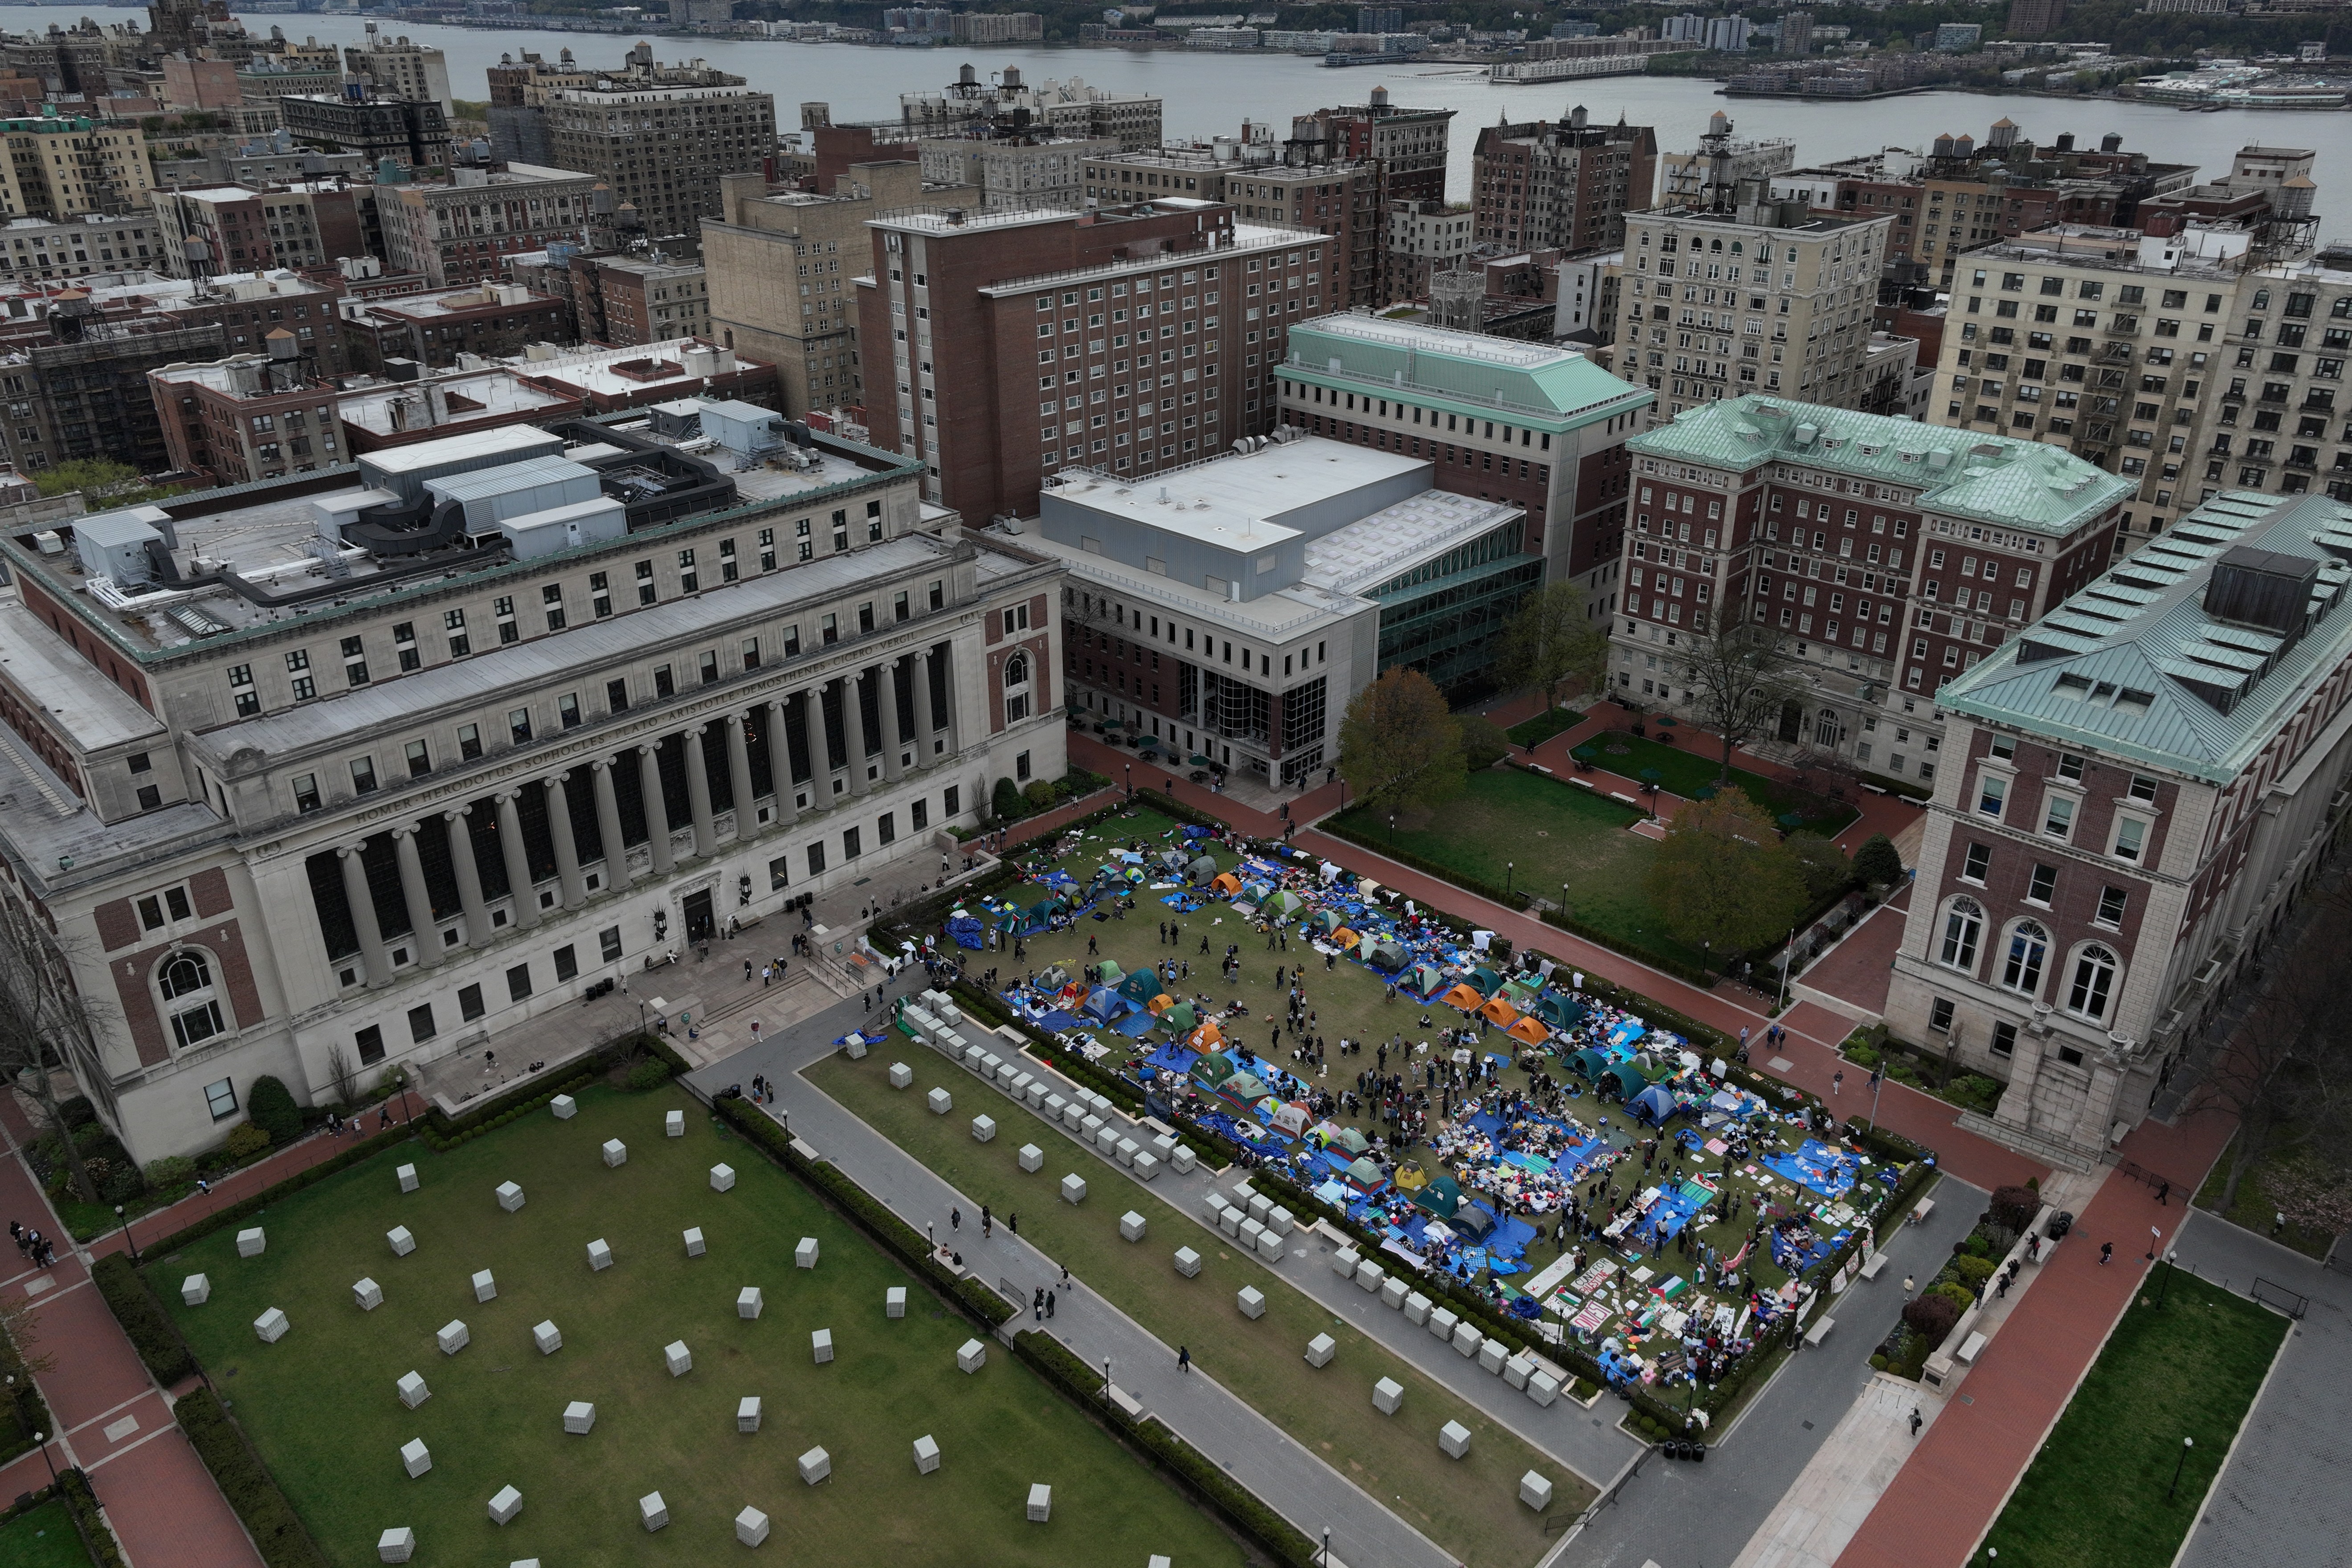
1161,1004
1465,999
1503,1014
1207,1037
1226,883
1531,1029
1344,939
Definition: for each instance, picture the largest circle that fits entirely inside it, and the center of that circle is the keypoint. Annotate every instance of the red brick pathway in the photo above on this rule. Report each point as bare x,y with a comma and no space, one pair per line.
1858,970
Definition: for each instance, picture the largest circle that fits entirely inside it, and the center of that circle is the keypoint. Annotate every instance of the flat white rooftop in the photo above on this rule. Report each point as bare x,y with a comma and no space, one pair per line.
1359,557
1236,502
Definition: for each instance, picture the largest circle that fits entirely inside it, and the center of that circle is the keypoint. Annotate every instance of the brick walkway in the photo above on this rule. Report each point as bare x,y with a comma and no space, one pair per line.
1853,977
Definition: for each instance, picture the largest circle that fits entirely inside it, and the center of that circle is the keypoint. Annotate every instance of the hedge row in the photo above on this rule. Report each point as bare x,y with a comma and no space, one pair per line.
82,1503
32,1415
247,1484
149,1330
443,1132
1236,1504
862,1209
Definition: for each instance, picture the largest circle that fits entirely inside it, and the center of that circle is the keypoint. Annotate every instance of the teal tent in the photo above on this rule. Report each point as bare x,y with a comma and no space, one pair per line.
1486,980
1140,986
1557,1011
1385,953
1589,1064
1441,1197
1424,979
1328,921
1624,1079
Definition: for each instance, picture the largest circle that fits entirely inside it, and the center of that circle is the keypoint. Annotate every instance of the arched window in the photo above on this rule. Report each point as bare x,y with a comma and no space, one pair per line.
1016,688
1963,929
2094,982
1016,671
1735,247
184,979
1826,728
2029,947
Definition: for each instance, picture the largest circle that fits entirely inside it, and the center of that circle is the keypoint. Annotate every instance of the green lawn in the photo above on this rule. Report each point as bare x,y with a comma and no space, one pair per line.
1516,829
322,1407
2254,1210
1535,731
1685,770
45,1538
1469,1508
2094,1495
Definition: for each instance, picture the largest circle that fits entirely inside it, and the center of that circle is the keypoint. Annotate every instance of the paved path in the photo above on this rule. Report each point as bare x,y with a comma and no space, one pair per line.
112,1420
2281,1501
1296,1483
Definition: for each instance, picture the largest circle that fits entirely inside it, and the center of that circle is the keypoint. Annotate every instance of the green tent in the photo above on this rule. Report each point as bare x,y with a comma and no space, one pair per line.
1589,1064
1328,921
1285,903
1487,981
1557,1011
1353,1141
1624,1078
1109,973
1201,869
1441,1197
1244,1087
1179,1017
1364,1173
1140,986
1212,1070
1385,953
1520,990
1424,979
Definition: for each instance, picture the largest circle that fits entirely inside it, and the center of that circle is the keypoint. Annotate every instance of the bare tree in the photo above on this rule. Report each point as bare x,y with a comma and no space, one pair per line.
339,1073
1548,640
1739,676
41,1011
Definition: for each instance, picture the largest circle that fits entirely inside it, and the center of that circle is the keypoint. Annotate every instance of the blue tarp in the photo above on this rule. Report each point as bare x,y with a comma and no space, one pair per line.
1625,1031
1825,1169
966,931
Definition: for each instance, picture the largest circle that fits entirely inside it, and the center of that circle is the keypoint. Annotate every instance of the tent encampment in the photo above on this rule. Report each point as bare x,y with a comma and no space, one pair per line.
1464,999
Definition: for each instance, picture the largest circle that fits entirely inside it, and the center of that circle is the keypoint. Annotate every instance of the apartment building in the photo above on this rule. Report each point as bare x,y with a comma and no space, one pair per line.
2107,341
1769,297
414,135
38,250
662,150
649,299
1893,558
251,416
2142,783
398,69
1067,108
1540,185
557,702
251,228
997,26
431,330
1539,428
1406,149
1338,199
969,308
2277,419
61,166
1710,177
1015,172
781,264
467,231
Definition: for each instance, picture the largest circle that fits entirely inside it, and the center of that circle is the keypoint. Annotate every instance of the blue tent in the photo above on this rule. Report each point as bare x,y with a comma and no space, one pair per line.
1106,1003
1652,1105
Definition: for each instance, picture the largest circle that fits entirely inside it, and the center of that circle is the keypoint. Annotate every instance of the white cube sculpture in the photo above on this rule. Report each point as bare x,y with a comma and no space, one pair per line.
1516,1371
1251,1300
580,1417
1188,1263
368,1294
821,1345
1130,1227
1074,1188
1041,1503
1185,1159
722,1178
1467,1339
1279,1221
901,1075
674,1124
1260,1206
1370,1276
748,1302
1392,1293
616,1154
941,1101
195,1289
407,1174
547,1336
927,1453
694,1243
678,1358
1543,1388
272,1326
564,1107
1147,1165
805,1253
1033,1158
1387,1395
1442,1322
413,1391
652,1512
397,1544
1416,1307
893,1302
983,1129
971,1356
816,1465
452,1336
1320,1350
403,1244
486,1287
750,1525
1269,1246
505,1505
250,1243
509,1196
1492,1355
600,1254
1453,1440
1346,1261
414,1457
747,1412
1535,1492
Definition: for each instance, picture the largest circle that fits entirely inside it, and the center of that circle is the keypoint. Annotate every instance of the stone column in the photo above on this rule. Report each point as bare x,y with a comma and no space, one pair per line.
469,877
697,795
422,929
954,723
608,824
887,692
377,962
935,716
567,852
739,778
649,785
853,728
780,763
519,888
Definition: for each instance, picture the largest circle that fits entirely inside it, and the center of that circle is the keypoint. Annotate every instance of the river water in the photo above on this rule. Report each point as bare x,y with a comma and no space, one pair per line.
1210,94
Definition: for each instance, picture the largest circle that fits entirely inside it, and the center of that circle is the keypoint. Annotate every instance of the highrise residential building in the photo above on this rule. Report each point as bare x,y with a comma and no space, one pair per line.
2277,419
62,166
1001,347
1406,149
251,416
1537,427
2140,786
676,692
2035,18
431,329
1011,171
1069,108
36,249
1567,187
1767,297
647,299
1891,557
997,26
664,149
247,229
412,134
1796,33
1424,238
398,69
1709,177
466,232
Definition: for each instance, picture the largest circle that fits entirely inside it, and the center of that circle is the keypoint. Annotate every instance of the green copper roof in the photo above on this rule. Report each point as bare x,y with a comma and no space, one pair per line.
2135,666
1988,478
1535,384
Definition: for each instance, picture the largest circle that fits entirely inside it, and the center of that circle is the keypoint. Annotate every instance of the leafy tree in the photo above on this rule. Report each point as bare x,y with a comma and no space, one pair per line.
1878,863
44,1024
1007,800
1822,863
1740,676
1723,879
103,483
1399,746
1548,640
1483,741
271,1106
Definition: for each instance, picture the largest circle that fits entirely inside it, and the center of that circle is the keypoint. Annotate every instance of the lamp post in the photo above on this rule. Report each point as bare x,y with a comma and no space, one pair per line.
1510,868
41,1440
1877,1087
1327,1543
1131,781
127,1236
1105,1380
1391,824
2171,1265
1563,900
2186,1444
1787,953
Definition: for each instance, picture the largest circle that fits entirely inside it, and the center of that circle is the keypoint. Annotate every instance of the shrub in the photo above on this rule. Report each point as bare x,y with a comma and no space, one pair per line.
273,1109
1930,1317
247,1484
1483,741
170,1171
1958,1295
650,1073
1878,863
2013,1208
151,1333
1007,800
74,1487
1973,1271
1039,794
245,1141
1877,1362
